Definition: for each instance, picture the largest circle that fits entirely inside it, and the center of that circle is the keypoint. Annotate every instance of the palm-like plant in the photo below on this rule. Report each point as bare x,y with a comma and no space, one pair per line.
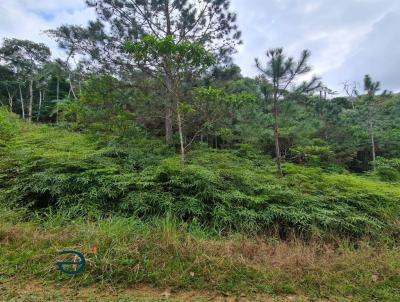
282,72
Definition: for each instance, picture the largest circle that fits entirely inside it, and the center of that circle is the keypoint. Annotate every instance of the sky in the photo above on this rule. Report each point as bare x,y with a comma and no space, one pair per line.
347,38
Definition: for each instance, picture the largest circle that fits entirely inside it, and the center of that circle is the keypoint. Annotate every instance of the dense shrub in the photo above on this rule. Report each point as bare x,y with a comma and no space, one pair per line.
388,174
8,124
219,190
42,167
313,155
388,169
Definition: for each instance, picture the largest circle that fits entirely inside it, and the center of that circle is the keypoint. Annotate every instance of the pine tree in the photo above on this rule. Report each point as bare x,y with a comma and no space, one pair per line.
371,88
207,22
281,72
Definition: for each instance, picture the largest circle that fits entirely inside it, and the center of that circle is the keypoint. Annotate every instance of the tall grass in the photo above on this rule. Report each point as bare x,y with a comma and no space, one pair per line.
166,254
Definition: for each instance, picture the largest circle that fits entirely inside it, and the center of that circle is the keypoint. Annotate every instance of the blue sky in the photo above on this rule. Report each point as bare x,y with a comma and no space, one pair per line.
347,38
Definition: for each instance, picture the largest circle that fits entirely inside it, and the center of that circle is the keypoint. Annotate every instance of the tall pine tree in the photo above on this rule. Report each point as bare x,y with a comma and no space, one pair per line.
207,22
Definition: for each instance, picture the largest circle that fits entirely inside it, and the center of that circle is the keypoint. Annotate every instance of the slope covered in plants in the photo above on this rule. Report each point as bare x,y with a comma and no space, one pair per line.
224,191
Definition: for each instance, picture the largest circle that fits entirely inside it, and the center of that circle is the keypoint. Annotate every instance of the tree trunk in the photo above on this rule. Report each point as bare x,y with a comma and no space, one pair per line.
168,111
30,100
40,105
71,88
373,148
22,101
168,124
167,17
276,138
80,86
58,97
10,100
181,136
325,119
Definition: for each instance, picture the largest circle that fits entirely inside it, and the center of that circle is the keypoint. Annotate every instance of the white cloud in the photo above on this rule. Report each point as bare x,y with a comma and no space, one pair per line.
51,5
26,19
378,54
347,38
334,31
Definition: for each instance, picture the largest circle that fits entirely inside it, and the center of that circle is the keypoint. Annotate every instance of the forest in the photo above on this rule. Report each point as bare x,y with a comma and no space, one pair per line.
146,148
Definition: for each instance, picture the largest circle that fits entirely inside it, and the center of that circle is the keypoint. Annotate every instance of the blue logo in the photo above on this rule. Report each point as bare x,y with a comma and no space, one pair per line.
81,263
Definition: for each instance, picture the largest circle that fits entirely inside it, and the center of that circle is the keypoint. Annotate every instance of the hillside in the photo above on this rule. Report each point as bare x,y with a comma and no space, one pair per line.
214,223
220,190
156,151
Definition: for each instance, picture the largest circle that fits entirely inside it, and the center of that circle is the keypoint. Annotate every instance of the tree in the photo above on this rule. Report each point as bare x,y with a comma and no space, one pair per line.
281,72
8,83
57,70
25,58
213,109
351,90
41,84
207,22
371,88
171,63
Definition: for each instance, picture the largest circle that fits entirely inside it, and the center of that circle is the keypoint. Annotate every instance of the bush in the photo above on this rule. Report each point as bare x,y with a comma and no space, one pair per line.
44,168
8,122
388,169
313,155
388,174
226,193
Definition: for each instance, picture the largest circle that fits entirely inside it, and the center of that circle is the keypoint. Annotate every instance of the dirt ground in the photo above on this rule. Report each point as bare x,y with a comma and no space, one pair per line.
36,291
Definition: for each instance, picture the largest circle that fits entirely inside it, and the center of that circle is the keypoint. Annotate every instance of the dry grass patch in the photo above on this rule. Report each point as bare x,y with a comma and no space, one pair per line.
164,256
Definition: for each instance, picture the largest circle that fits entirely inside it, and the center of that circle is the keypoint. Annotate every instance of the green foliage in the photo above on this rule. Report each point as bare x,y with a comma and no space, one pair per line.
388,169
388,174
24,55
57,168
102,107
392,163
218,96
223,191
98,173
164,253
153,49
219,190
67,109
313,155
8,123
206,23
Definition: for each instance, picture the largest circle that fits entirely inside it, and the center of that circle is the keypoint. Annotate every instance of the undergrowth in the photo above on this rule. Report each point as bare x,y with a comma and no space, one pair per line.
214,223
165,253
223,191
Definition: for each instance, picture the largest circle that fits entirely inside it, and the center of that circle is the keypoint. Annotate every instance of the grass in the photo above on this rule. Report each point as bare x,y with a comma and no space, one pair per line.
165,255
220,227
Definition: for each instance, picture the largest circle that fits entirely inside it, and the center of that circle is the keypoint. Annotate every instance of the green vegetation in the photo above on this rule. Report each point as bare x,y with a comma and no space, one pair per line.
165,254
168,169
220,190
